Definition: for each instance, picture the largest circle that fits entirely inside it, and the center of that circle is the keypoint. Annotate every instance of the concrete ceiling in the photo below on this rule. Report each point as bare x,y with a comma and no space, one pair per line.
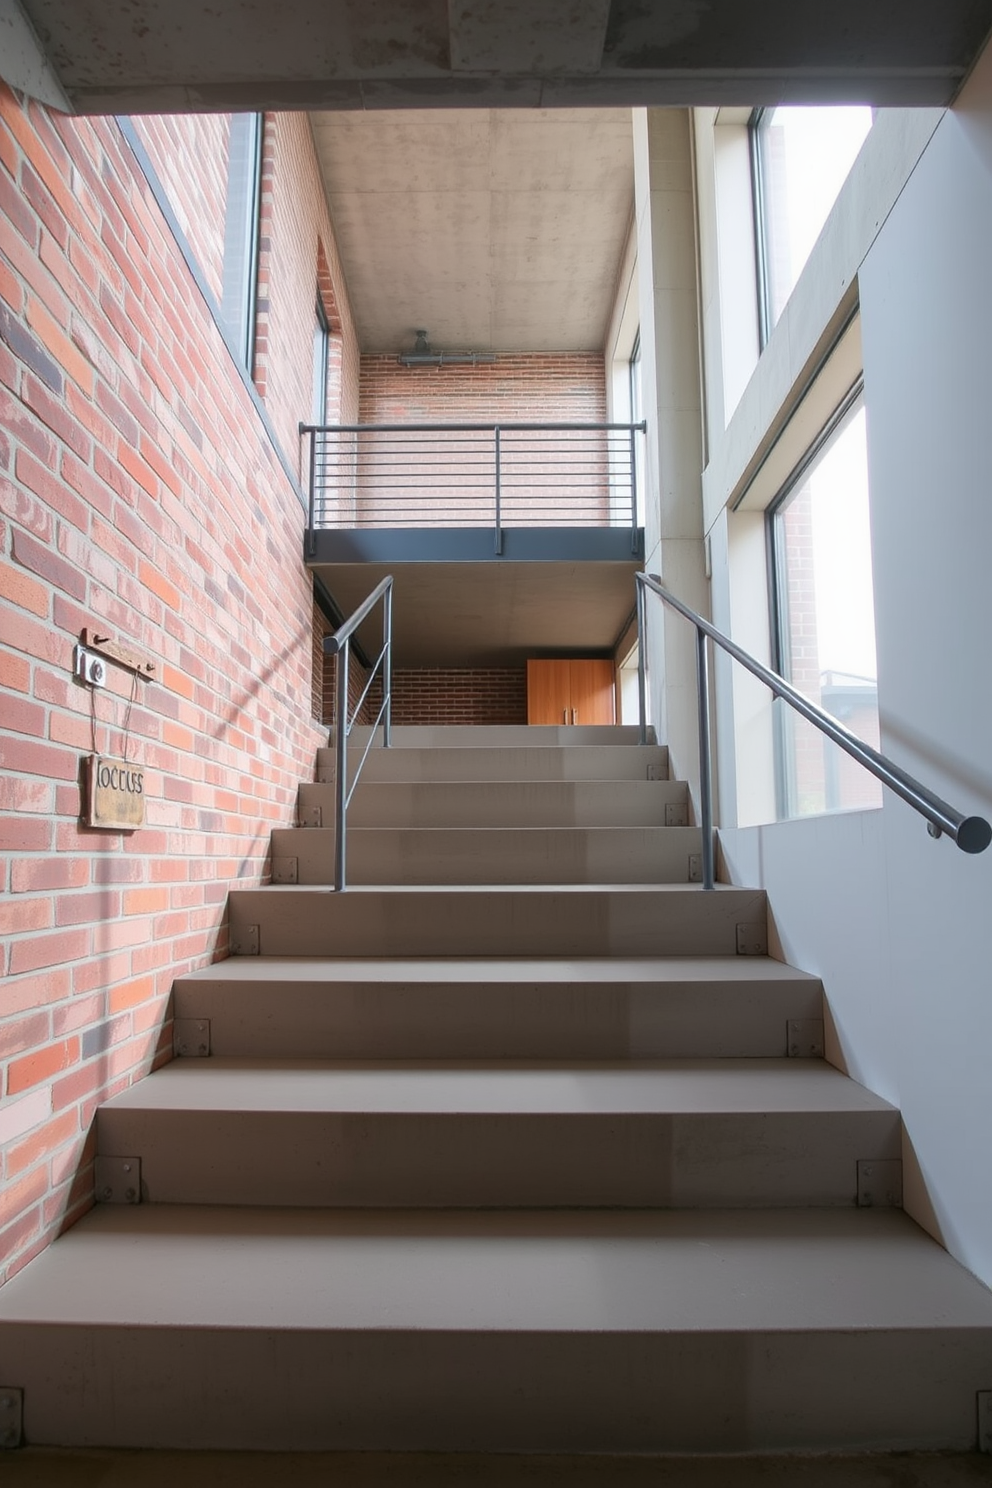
489,614
493,230
115,56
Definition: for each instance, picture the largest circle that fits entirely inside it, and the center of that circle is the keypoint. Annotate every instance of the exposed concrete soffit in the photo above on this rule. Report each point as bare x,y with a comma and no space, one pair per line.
160,55
25,65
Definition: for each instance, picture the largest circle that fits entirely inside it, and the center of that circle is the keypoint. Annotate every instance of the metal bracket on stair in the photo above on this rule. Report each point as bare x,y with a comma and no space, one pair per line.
804,1038
246,941
11,1416
752,940
191,1038
657,772
985,1420
312,817
880,1183
676,814
695,867
285,870
118,1180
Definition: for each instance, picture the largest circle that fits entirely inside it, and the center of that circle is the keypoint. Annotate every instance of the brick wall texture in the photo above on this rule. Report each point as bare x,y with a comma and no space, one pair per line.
139,494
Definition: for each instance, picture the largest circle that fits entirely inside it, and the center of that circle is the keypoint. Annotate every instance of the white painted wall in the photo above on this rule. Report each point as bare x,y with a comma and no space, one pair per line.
899,926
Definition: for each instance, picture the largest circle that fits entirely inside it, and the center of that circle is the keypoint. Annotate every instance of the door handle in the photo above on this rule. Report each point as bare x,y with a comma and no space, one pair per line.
564,715
575,715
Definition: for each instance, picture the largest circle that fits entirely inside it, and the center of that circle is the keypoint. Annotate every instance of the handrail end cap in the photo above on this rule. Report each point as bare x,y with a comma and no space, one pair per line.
974,834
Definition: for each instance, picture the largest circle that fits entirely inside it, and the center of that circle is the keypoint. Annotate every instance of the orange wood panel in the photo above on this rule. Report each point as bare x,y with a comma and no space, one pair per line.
548,691
593,688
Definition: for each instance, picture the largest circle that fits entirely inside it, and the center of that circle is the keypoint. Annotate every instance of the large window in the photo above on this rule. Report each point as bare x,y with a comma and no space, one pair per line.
800,159
824,613
241,233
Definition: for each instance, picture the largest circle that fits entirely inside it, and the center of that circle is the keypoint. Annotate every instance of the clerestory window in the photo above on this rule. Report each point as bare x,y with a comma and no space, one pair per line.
800,159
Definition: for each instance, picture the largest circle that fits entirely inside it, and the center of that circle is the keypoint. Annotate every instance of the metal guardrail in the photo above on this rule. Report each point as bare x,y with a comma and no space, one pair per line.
971,833
473,475
338,645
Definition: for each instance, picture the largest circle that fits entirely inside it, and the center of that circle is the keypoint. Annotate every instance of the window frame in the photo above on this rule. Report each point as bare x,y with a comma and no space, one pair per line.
778,592
242,232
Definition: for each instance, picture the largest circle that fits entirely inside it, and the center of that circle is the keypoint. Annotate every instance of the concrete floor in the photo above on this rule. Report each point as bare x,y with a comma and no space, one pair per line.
37,1467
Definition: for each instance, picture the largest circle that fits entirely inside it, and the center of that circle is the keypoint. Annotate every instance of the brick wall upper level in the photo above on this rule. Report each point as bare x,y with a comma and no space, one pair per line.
532,387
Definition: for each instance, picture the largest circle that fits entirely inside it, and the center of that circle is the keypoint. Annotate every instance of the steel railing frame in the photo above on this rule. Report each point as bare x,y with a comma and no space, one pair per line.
489,467
972,834
338,645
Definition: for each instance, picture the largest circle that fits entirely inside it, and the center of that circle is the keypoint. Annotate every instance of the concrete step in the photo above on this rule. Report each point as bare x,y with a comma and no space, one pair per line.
522,762
500,803
303,1330
710,1133
490,855
573,920
701,1007
502,736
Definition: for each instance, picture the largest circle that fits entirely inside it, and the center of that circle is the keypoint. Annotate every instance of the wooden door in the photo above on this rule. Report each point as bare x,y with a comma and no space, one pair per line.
548,692
593,692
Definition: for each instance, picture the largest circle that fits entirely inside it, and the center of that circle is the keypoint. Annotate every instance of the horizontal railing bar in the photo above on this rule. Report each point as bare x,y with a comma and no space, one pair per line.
458,427
971,833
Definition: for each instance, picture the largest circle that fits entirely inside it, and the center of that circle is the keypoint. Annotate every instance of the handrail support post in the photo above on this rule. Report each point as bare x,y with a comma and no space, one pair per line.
342,663
705,759
642,646
497,450
387,667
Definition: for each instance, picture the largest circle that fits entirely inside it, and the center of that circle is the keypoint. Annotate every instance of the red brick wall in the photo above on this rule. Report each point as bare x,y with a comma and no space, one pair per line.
481,695
534,387
546,477
141,494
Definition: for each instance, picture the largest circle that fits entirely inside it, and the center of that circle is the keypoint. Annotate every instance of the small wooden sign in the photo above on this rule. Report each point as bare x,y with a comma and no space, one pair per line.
115,794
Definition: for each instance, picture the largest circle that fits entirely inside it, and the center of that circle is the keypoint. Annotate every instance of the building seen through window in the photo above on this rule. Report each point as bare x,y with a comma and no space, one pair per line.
824,611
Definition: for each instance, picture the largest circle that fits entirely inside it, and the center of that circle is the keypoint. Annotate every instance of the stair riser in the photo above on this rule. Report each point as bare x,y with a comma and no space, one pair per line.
491,855
536,922
685,1391
336,1020
524,803
504,735
594,762
467,1160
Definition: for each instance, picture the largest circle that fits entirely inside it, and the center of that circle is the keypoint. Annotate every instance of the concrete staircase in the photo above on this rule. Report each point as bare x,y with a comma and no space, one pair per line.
522,1144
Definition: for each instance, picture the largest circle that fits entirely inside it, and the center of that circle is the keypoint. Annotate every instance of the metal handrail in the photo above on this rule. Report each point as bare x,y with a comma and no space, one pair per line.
486,470
338,645
971,833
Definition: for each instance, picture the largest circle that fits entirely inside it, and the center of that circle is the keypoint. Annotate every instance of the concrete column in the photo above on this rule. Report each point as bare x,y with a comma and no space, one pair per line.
670,361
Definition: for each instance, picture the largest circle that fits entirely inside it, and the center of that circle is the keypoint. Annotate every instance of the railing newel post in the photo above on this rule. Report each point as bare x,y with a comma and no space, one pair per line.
705,759
499,489
341,761
633,491
312,530
387,667
642,643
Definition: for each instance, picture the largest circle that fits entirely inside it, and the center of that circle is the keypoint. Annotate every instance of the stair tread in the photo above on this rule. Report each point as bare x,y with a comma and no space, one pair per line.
605,970
500,1087
714,1271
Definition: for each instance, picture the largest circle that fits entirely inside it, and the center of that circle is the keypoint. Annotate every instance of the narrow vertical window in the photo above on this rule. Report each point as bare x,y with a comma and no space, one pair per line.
824,607
800,159
241,233
321,353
